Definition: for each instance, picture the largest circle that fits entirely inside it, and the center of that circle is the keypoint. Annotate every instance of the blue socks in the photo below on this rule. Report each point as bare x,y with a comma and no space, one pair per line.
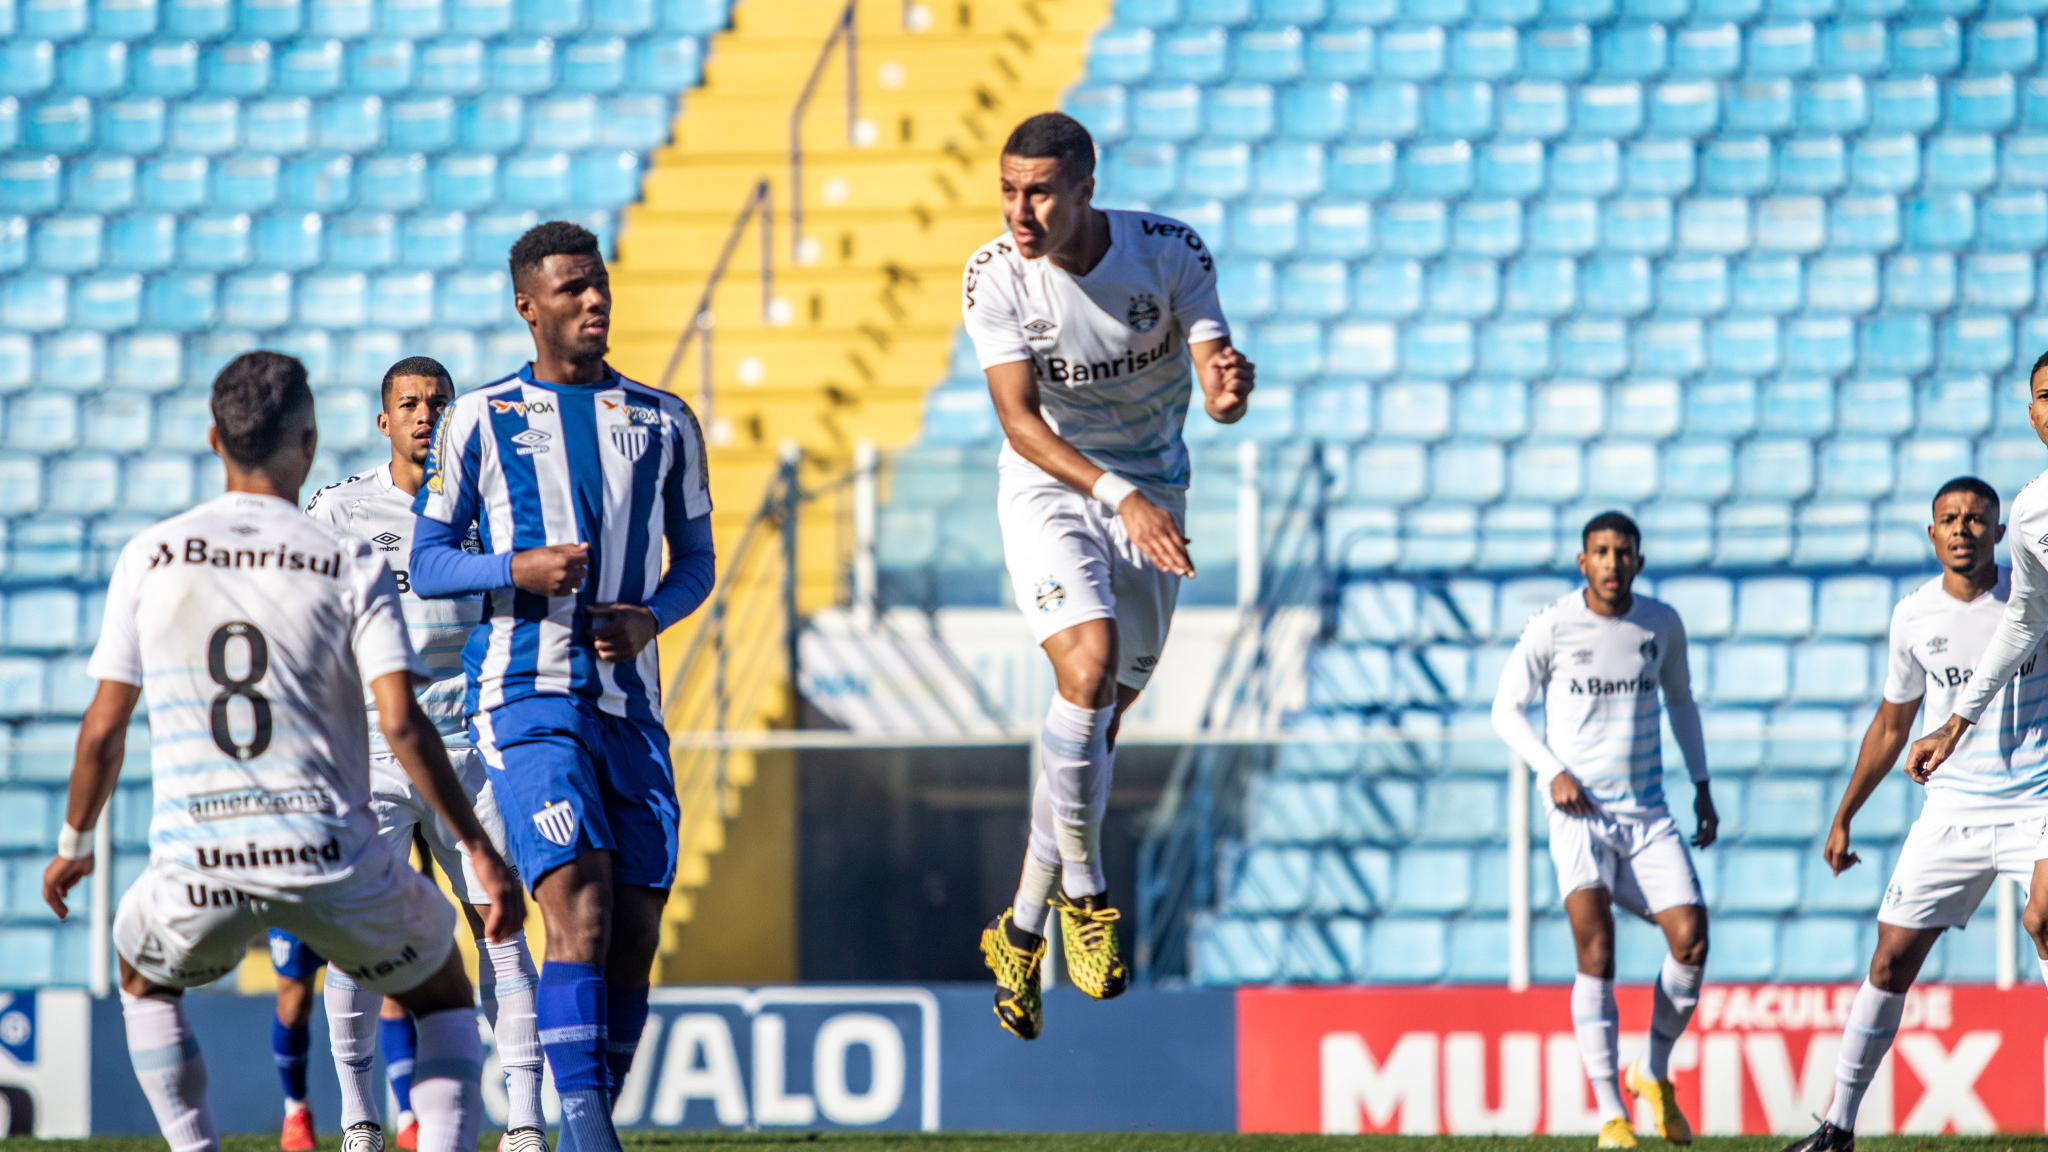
572,1010
401,1043
625,1017
288,1047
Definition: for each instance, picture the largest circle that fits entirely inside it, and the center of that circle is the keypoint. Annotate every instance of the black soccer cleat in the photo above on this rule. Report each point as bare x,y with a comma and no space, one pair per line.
1826,1138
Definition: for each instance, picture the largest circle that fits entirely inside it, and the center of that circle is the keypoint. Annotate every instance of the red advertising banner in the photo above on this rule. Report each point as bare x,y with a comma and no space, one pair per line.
1757,1059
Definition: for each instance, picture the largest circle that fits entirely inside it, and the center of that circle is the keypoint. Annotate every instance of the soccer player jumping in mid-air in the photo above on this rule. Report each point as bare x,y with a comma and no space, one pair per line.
377,506
253,630
1087,323
1599,657
1985,809
574,478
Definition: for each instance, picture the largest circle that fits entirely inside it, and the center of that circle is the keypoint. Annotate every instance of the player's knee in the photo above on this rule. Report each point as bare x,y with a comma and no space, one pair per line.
1596,957
2035,920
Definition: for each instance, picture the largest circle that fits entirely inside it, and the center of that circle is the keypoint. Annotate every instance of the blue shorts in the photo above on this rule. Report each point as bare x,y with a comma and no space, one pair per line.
291,956
571,779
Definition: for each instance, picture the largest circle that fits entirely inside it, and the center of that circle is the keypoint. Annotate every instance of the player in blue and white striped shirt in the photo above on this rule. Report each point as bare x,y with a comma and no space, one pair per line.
574,478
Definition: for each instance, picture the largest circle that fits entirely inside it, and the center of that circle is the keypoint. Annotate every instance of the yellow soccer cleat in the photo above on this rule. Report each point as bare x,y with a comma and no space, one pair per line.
1663,1101
1016,971
1088,933
1617,1133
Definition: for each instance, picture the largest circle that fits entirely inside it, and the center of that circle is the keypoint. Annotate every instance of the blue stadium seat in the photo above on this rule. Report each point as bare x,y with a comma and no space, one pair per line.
1864,223
1853,47
1230,950
1314,289
1342,53
68,243
1169,113
1585,168
1931,45
526,67
1716,224
1632,50
1489,228
455,67
1313,110
181,302
1640,226
1246,288
2003,45
498,124
421,125
1515,348
1229,13
1963,162
1660,167
1271,880
1265,55
1762,106
1608,109
1432,881
27,66
63,125
1466,472
1146,172
1285,169
344,19
1685,108
1886,163
1541,286
1823,672
1437,171
1461,109
1417,228
1563,227
1485,52
1411,52
1833,105
104,184
1737,166
1536,110
1338,409
1364,171
1846,284
1407,410
1593,349
1897,343
256,300
2014,222
1437,350
1927,463
1783,49
94,67
216,243
1906,103
640,122
1558,52
1981,104
1616,285
1812,164
1192,54
290,240
548,19
1510,168
1957,405
1264,228
1386,110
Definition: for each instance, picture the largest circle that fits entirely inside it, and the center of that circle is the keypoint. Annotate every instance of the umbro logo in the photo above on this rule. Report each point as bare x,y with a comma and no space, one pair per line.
531,441
1937,644
388,540
1040,327
245,530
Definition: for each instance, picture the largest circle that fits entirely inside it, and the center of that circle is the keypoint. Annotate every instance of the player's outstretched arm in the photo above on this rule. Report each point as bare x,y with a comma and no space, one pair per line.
418,746
1151,527
1227,379
95,766
1882,742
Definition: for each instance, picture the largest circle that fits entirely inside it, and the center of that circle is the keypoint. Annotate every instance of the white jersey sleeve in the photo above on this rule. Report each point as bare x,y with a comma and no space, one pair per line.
378,635
1905,679
1522,682
988,307
118,655
2026,610
1195,302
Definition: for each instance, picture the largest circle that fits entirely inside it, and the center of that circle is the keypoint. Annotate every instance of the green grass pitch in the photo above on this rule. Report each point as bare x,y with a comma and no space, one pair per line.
1110,1142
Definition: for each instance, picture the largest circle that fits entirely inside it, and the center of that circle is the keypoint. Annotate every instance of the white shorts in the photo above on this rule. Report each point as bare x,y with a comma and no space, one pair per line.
401,810
1944,870
384,924
1071,561
1643,864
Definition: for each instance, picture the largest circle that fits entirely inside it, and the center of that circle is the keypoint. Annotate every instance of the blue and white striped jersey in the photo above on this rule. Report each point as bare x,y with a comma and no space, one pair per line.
1998,773
1599,677
533,463
370,507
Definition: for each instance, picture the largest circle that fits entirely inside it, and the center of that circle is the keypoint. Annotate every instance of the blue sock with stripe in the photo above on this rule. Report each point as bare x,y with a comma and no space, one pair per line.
571,1009
401,1043
625,1018
288,1045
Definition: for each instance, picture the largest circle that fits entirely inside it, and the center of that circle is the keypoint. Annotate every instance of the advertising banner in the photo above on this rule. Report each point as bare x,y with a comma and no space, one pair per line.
1757,1059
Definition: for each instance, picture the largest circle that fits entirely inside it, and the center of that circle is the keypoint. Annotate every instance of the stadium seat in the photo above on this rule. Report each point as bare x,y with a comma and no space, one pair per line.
1534,109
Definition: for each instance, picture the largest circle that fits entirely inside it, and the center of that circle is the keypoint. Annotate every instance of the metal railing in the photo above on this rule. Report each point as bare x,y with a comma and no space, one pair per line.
843,34
1201,803
759,205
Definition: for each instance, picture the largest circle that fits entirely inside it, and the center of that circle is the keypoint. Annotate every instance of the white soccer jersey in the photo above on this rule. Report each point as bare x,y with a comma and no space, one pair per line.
1999,771
2018,637
251,629
1110,349
370,507
1599,677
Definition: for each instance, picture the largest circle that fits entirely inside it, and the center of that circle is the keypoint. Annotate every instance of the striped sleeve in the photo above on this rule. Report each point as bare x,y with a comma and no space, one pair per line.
448,494
689,480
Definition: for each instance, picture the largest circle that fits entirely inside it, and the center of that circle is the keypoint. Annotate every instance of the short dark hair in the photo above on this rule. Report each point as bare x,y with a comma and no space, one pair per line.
2040,363
1971,485
255,399
1611,522
425,366
1056,136
554,238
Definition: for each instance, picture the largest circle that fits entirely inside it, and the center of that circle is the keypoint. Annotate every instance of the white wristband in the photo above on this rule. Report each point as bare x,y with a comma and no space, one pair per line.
73,844
1111,490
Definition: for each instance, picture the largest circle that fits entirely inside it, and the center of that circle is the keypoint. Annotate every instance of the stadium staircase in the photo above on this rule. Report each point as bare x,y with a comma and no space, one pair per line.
1761,272
819,341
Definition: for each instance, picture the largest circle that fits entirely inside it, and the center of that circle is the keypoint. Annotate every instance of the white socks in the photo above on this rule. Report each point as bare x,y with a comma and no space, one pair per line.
1597,1024
1677,991
445,1096
506,982
352,1036
1873,1021
1066,808
171,1070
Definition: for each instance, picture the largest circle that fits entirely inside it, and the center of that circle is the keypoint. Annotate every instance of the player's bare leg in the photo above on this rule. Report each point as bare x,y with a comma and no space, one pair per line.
1595,1021
601,942
289,1041
1672,1000
506,980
